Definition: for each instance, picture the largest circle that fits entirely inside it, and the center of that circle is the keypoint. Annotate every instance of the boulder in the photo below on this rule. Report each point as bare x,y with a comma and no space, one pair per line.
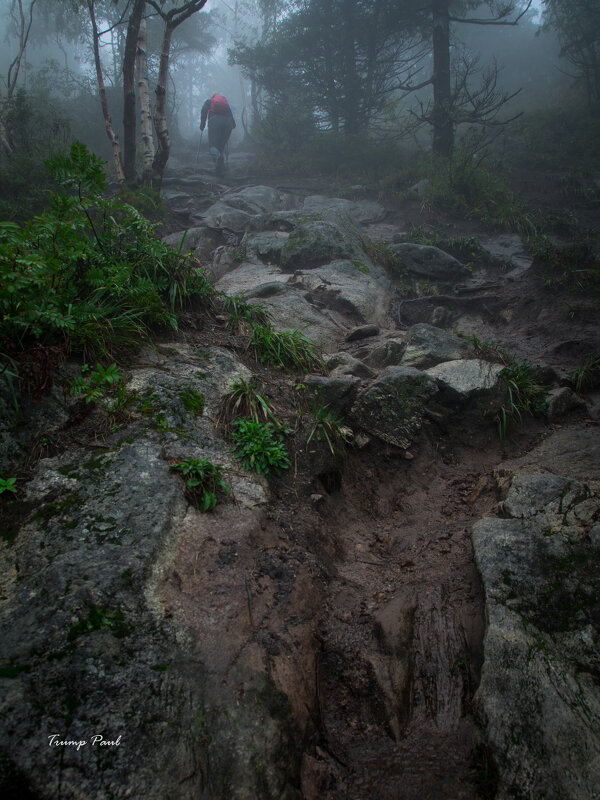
425,261
392,407
361,211
248,276
258,199
563,401
427,346
386,353
220,215
337,393
265,246
199,240
539,695
320,241
467,377
289,310
346,287
344,364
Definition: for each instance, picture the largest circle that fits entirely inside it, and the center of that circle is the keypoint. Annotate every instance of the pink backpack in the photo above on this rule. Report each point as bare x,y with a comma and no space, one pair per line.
219,105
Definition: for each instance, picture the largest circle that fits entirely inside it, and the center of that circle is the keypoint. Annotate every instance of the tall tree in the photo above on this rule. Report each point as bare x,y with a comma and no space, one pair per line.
577,23
22,18
462,102
341,59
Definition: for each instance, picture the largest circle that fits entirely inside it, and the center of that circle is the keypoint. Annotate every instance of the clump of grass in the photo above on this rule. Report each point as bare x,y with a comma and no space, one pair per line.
245,399
524,396
203,482
260,447
587,376
290,350
240,310
327,427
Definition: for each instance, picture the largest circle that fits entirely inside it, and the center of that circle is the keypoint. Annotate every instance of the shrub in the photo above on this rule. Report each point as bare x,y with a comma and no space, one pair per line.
260,447
203,482
89,274
240,310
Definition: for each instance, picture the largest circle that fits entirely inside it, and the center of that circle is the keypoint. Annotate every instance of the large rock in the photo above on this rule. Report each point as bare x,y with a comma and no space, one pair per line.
121,616
265,246
336,393
258,199
290,310
220,215
248,276
319,241
199,240
350,287
386,353
467,377
539,695
430,262
359,211
392,408
427,346
344,364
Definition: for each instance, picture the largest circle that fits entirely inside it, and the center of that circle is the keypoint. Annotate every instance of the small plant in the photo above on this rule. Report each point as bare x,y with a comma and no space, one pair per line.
327,427
193,401
240,310
575,266
290,350
203,481
587,376
8,485
260,447
245,400
100,381
488,349
524,396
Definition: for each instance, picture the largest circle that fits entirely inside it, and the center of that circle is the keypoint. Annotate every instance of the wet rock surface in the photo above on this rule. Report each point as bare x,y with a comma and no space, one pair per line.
319,634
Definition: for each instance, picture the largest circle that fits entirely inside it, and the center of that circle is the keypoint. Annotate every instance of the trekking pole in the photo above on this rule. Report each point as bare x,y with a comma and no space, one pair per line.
199,146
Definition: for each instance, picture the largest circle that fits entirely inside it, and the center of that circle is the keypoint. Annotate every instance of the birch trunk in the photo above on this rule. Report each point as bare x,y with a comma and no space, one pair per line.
160,111
129,110
112,136
144,100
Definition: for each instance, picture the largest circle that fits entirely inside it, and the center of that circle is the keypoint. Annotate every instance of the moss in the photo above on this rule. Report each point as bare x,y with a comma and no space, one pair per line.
193,401
99,619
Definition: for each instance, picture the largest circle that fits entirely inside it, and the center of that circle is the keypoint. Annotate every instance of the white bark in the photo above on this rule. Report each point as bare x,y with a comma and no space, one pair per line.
144,100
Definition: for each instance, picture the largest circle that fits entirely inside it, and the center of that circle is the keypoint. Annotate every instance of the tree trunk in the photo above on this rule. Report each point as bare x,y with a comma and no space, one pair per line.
129,112
144,99
443,125
160,111
112,136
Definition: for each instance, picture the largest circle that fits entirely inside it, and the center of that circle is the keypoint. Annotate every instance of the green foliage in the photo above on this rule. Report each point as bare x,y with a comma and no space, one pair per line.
101,383
289,350
193,401
203,481
575,266
327,427
8,485
99,619
587,376
260,447
245,400
146,199
488,349
524,396
240,310
89,274
463,185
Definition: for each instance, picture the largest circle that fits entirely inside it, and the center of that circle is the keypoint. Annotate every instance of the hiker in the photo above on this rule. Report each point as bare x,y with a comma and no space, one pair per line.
220,124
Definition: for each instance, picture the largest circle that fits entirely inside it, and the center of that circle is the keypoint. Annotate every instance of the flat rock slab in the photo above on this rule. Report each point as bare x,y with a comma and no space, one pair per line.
363,293
430,262
359,211
248,276
258,199
427,346
220,215
467,377
573,451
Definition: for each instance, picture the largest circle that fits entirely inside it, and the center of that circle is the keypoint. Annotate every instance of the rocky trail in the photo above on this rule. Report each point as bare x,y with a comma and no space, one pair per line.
412,614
